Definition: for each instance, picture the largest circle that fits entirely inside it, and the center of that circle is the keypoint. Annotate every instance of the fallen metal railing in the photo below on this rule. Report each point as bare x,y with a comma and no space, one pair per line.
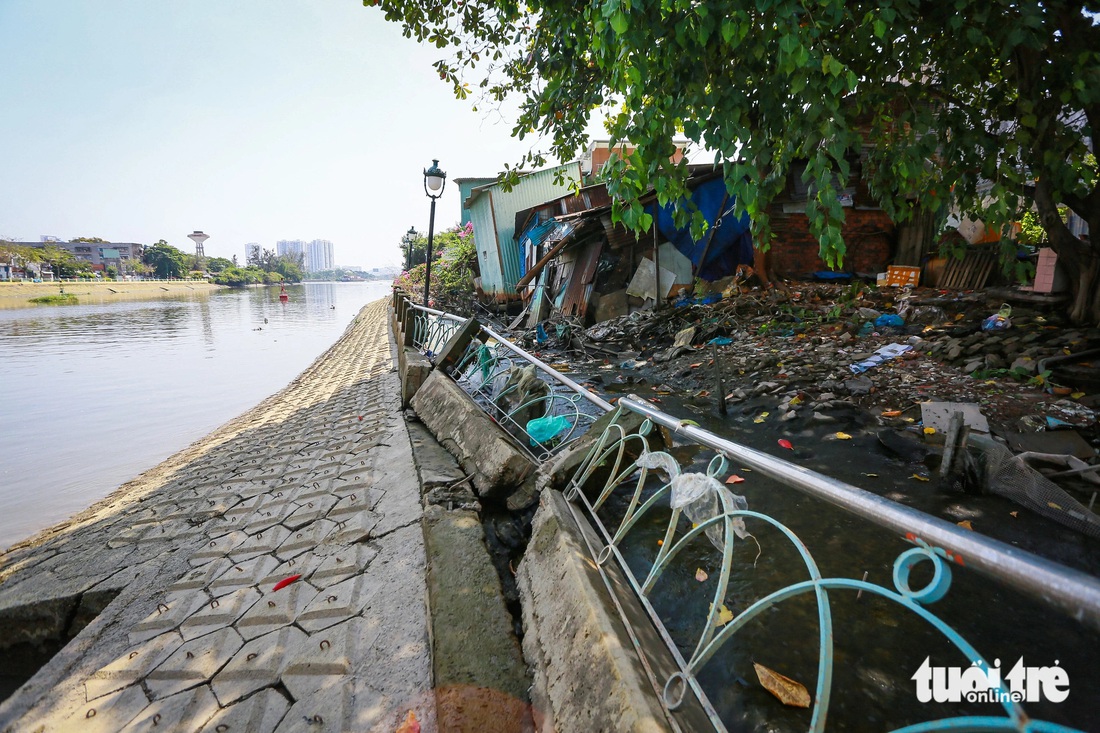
539,407
935,541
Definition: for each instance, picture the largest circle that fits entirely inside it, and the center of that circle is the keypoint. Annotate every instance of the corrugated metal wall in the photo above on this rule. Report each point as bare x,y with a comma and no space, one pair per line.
495,210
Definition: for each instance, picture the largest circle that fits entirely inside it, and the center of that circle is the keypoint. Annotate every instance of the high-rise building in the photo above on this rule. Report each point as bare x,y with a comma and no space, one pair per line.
319,256
291,247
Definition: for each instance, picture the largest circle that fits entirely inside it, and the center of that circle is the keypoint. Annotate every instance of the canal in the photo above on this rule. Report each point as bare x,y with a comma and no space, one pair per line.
92,395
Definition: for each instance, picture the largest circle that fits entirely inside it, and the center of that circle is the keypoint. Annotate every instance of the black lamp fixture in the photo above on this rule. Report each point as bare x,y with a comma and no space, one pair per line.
407,240
434,182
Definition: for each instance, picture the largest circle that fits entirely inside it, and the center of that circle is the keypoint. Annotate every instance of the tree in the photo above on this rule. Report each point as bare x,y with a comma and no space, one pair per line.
166,260
218,264
981,108
92,240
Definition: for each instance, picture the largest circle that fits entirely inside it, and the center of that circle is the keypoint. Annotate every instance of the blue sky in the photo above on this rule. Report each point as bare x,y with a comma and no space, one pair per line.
252,120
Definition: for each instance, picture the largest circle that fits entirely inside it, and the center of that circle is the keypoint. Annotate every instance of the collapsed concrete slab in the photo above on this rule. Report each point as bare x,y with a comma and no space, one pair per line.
483,449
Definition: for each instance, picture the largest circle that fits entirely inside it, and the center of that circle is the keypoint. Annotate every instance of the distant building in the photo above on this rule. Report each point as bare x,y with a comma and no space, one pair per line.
100,255
319,256
290,247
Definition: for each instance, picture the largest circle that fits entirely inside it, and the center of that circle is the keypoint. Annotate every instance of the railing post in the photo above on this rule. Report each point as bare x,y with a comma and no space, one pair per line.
408,327
453,350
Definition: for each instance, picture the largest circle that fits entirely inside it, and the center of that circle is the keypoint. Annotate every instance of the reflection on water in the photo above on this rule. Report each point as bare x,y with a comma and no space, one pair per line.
95,394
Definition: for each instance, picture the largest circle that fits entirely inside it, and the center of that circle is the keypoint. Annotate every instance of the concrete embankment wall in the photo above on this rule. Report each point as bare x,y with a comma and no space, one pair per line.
586,674
17,294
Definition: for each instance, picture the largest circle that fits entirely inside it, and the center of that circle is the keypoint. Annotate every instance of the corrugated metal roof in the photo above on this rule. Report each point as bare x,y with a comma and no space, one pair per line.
494,210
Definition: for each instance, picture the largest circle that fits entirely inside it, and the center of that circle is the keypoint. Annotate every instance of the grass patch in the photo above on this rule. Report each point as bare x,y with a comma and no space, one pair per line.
57,299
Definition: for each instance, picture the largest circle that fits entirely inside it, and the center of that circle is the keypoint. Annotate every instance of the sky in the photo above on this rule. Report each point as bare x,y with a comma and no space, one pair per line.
251,120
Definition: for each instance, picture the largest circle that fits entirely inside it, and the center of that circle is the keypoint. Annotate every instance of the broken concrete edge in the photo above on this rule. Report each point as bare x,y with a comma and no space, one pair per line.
485,452
587,675
478,669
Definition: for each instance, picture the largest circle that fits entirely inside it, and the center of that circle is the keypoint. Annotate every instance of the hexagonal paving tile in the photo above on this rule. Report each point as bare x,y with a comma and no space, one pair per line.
326,659
306,538
343,564
194,663
219,613
132,665
168,614
107,714
258,714
257,664
276,609
183,713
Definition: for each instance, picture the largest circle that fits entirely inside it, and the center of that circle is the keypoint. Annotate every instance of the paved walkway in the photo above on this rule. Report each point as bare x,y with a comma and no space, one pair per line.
177,573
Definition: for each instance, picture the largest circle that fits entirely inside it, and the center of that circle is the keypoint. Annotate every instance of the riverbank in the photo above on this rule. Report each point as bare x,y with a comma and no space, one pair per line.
163,602
19,294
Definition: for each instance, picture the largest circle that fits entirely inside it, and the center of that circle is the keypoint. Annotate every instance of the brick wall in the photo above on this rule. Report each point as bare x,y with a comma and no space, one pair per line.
869,236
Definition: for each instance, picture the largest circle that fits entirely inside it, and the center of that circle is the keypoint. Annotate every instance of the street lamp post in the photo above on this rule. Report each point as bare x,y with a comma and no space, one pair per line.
434,181
409,239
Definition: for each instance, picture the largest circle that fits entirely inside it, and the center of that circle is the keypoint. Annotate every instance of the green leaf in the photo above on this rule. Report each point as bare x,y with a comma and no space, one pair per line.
880,28
619,23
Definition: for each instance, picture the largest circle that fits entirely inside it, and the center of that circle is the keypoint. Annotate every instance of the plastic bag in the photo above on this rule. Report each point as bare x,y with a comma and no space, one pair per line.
999,320
889,319
700,497
659,460
544,429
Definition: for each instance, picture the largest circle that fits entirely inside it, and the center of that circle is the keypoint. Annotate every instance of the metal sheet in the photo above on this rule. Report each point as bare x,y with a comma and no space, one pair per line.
584,269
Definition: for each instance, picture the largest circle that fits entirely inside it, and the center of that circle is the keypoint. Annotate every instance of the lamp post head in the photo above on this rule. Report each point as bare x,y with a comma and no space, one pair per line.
434,180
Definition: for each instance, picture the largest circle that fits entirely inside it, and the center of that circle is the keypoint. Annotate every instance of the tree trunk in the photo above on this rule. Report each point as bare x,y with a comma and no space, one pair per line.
1075,255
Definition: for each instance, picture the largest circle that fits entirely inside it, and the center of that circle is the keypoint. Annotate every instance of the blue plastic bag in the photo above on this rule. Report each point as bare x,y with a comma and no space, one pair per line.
544,429
889,319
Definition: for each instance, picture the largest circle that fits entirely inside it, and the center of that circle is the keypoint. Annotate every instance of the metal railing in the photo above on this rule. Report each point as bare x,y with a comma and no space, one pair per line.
719,517
718,520
538,406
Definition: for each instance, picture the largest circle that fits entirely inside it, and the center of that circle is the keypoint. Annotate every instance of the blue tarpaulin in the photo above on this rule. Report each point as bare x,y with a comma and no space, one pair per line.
731,244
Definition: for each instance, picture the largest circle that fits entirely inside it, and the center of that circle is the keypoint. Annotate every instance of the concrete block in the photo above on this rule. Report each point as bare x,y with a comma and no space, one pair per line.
587,674
256,665
261,712
415,368
455,348
184,711
481,446
472,639
194,663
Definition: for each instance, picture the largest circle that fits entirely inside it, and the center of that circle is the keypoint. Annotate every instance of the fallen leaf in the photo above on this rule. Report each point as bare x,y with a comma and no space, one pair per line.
795,401
409,725
965,524
918,477
1052,505
1077,395
891,413
870,475
758,420
843,436
701,574
735,479
696,365
786,690
960,316
704,393
746,470
929,431
784,443
1014,514
724,615
689,422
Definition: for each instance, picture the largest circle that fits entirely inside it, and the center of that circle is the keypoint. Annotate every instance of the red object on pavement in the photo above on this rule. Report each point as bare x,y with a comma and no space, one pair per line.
784,443
285,582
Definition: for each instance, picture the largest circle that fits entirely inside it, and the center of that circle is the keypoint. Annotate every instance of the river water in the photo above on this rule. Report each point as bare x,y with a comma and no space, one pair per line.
92,395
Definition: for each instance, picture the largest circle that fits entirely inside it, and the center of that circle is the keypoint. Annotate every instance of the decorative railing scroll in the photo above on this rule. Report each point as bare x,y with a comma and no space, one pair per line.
626,460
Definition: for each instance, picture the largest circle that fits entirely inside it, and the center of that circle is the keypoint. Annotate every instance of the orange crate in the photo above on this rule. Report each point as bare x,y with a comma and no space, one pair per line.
901,275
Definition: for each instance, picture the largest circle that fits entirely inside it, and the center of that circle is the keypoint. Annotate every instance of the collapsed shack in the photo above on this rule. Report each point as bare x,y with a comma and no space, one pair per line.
580,265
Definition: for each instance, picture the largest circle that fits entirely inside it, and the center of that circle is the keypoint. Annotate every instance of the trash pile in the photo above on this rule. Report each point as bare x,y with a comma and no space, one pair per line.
881,352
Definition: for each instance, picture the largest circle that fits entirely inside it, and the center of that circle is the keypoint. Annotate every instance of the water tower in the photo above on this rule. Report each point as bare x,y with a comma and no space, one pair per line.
198,238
